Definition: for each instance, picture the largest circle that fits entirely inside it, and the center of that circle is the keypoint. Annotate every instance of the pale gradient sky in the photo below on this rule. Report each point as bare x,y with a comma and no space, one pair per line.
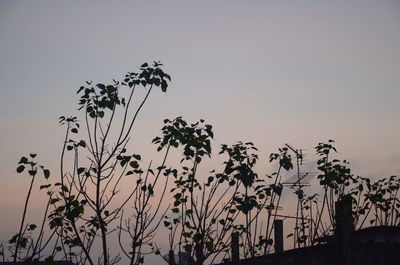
270,72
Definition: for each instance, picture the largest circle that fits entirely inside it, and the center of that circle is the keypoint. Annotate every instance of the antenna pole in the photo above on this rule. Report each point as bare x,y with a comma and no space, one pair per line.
300,194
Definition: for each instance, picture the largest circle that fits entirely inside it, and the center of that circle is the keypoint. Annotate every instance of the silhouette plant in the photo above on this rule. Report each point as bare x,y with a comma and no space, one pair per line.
25,239
205,213
376,202
86,206
83,205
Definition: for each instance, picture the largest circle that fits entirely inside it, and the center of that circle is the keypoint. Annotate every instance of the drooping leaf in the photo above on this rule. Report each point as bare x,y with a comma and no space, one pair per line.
46,173
20,168
164,86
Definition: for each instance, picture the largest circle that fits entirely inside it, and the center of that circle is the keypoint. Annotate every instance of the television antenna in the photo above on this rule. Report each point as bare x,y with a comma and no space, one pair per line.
303,180
297,182
300,179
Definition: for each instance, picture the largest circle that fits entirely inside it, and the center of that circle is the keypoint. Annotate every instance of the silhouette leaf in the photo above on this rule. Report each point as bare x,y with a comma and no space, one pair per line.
20,168
46,173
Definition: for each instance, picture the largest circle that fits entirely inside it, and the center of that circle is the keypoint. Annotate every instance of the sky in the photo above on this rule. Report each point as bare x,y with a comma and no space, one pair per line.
270,72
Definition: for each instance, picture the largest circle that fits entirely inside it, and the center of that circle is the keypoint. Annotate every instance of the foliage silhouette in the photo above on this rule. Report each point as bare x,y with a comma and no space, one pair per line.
86,209
82,203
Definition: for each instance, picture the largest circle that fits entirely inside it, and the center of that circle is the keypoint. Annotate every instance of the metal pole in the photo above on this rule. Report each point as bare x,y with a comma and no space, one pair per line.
235,249
278,236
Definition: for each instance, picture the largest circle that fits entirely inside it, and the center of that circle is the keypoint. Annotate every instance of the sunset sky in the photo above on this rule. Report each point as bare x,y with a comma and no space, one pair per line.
270,72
